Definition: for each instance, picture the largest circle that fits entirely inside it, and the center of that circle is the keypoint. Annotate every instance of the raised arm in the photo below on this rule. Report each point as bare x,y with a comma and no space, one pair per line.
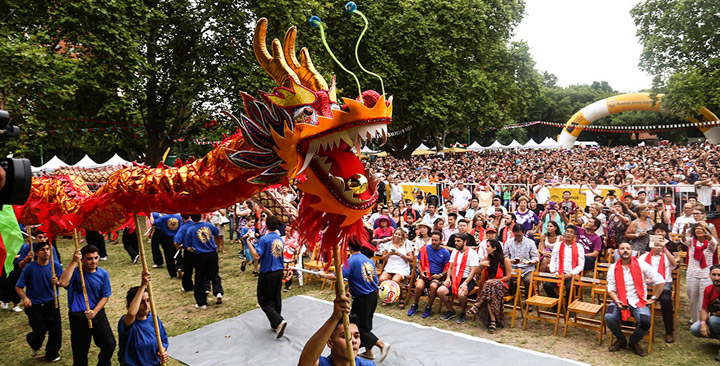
135,304
316,344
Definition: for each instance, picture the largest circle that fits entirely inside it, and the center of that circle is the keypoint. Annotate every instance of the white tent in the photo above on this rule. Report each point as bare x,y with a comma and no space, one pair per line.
367,150
475,147
496,145
86,162
514,144
586,143
549,143
114,161
531,144
51,165
422,147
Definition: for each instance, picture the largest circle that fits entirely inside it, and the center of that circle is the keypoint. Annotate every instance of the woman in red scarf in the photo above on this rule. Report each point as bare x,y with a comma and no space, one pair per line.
701,247
489,306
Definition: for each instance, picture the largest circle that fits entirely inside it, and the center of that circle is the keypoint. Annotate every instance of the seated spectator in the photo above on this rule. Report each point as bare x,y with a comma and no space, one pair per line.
489,307
439,225
663,261
591,243
433,261
547,243
410,226
522,253
462,227
497,219
397,256
638,230
701,246
460,278
423,236
451,227
567,260
684,220
525,217
490,234
627,288
478,228
506,232
431,214
595,212
709,324
496,204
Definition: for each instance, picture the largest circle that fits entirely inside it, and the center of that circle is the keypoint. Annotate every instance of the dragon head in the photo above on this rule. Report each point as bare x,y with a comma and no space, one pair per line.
301,133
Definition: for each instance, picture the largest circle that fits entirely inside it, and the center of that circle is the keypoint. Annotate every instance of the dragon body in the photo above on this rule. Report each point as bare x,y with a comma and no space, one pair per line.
298,133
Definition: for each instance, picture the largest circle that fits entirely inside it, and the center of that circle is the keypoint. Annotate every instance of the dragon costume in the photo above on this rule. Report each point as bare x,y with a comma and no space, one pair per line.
299,133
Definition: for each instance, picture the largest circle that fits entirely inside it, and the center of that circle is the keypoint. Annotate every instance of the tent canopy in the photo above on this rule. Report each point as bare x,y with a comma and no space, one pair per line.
422,147
586,143
496,145
86,162
454,149
115,160
475,147
531,144
514,144
53,164
549,143
367,150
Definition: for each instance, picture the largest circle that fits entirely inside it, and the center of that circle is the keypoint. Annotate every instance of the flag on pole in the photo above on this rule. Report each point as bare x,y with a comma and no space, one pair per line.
11,238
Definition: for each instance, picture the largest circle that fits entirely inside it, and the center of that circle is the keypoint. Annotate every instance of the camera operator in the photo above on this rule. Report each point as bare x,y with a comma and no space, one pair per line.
2,177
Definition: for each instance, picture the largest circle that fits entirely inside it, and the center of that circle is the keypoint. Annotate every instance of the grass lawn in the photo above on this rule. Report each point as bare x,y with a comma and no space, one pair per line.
175,308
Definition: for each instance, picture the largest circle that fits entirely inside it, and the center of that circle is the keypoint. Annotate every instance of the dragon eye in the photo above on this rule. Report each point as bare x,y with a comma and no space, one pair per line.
305,114
357,183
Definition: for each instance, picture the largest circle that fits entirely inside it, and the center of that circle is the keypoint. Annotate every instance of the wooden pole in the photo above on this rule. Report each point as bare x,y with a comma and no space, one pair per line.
52,271
141,249
82,276
340,290
30,241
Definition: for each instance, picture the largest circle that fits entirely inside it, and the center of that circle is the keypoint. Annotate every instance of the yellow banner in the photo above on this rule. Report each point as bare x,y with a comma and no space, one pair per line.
409,189
556,193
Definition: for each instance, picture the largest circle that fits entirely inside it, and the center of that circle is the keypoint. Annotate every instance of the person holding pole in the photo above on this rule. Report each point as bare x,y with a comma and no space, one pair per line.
39,302
136,332
199,240
268,251
332,334
81,314
362,278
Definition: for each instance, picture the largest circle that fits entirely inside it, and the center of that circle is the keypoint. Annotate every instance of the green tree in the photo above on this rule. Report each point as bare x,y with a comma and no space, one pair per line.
681,49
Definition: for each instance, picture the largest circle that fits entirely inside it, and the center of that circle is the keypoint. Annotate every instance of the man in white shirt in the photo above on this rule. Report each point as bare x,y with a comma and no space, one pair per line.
567,260
703,187
461,197
396,191
542,193
686,218
431,214
474,209
663,261
627,288
460,278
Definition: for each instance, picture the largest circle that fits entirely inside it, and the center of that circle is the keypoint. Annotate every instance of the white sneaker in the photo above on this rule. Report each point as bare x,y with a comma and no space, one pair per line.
102,259
157,265
280,329
200,307
219,299
136,259
17,309
56,359
34,352
4,305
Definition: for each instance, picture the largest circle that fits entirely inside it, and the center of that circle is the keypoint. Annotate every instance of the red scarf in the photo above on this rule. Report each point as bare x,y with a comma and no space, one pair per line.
506,234
698,252
661,266
463,262
499,273
424,263
561,259
636,274
480,234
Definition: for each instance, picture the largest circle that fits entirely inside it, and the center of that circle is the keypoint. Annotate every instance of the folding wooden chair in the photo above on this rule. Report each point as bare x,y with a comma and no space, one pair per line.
601,270
586,312
316,264
675,297
511,309
629,329
543,301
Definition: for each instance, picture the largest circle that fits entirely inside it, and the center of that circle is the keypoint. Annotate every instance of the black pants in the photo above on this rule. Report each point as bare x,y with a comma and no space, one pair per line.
363,306
188,266
44,318
551,289
7,286
168,248
589,263
98,240
666,303
269,286
80,335
155,244
206,271
130,243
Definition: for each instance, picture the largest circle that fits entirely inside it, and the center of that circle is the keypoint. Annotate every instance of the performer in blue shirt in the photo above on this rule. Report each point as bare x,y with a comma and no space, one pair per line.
333,334
39,302
199,240
167,226
155,240
188,263
138,345
361,275
268,251
97,285
24,256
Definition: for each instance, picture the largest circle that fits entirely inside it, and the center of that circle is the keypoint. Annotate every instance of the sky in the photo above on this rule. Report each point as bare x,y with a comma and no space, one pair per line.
581,41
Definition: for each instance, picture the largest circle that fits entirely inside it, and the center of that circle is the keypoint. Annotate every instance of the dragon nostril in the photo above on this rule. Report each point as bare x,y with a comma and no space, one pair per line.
308,111
357,183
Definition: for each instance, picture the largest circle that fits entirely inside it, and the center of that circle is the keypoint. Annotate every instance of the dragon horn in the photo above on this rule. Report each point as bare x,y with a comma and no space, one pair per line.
275,64
305,69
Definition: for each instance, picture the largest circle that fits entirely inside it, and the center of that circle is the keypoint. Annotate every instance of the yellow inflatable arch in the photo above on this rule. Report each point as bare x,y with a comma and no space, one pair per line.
630,102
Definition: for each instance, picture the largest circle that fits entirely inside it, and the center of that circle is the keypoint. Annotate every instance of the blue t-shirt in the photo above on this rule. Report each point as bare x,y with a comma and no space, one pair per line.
25,249
326,361
437,259
180,236
138,346
270,247
361,275
97,285
200,236
169,224
37,279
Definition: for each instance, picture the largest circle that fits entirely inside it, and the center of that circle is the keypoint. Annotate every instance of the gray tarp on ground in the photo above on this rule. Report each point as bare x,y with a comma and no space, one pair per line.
247,340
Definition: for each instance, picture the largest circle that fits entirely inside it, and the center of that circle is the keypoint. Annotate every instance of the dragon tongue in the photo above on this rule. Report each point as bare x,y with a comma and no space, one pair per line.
312,150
